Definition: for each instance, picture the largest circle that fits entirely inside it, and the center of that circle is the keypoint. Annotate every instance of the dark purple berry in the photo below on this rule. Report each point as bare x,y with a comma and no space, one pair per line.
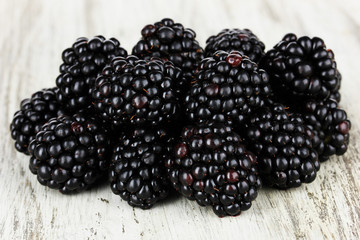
33,113
228,87
81,65
213,167
143,92
302,67
137,170
285,152
241,40
172,42
70,153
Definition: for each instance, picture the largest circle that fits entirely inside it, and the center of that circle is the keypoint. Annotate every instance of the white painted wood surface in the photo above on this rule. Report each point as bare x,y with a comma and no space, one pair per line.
33,34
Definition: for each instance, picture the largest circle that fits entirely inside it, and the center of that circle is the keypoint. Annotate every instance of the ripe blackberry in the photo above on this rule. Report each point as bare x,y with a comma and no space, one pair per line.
81,65
137,91
242,40
283,146
70,153
228,86
302,66
213,167
171,41
330,126
137,171
33,113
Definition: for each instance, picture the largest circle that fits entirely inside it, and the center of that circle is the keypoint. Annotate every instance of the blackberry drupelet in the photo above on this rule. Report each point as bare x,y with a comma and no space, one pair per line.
33,113
335,93
302,66
330,126
141,92
70,153
336,96
137,171
81,65
171,41
242,40
228,87
213,167
283,146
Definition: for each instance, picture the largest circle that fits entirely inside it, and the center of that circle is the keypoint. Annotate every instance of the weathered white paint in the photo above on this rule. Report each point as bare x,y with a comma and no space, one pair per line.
33,34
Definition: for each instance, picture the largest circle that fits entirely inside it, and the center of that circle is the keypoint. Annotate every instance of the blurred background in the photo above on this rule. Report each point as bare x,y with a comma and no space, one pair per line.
33,35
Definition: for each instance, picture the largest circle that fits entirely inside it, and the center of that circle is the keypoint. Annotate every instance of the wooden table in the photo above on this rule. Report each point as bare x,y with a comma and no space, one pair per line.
32,36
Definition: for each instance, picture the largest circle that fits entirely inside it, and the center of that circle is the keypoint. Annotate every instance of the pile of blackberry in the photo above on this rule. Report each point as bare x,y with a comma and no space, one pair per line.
213,125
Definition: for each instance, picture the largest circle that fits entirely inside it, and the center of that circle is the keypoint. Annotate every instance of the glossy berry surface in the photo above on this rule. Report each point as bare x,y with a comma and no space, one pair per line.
213,167
171,41
242,40
81,65
302,66
137,92
228,86
335,93
283,146
70,153
33,113
137,171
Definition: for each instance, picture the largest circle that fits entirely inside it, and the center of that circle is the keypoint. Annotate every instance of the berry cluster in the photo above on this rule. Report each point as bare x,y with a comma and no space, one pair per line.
212,124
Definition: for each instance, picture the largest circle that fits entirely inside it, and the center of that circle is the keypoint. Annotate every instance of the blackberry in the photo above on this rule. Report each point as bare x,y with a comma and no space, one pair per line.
282,143
303,66
137,171
133,91
70,153
171,41
242,40
228,86
213,167
81,65
330,126
33,113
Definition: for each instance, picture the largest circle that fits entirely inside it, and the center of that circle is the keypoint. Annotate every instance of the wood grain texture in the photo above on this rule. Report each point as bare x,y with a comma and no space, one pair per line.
32,37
